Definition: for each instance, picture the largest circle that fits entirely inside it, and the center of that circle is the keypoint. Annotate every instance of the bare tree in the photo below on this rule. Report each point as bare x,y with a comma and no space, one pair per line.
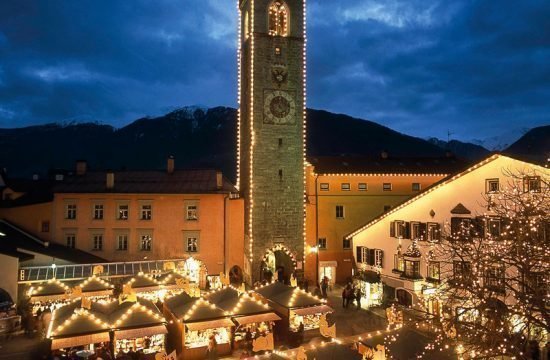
494,272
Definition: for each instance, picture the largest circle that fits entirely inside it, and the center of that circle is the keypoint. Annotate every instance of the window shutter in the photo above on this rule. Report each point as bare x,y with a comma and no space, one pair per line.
455,225
359,254
371,257
424,231
407,232
478,230
392,229
437,233
379,257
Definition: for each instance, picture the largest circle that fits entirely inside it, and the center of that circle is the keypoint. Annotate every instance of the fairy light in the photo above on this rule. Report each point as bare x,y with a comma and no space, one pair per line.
304,128
239,84
252,137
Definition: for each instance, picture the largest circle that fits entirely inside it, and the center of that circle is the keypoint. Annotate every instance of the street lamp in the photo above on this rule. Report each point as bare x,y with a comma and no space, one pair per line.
315,249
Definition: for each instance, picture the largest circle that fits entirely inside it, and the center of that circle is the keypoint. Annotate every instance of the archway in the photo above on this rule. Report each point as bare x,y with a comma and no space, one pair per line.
404,297
236,275
278,264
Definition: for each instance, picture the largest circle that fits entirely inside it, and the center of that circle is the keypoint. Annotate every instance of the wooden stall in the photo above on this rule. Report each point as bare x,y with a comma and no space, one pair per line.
94,287
51,295
194,321
251,316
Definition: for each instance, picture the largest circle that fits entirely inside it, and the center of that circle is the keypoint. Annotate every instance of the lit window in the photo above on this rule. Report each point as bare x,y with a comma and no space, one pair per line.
322,243
492,186
123,211
398,262
494,278
70,211
122,242
415,186
192,244
70,240
362,187
434,272
192,212
412,269
339,211
462,271
433,231
345,186
97,242
146,212
386,186
531,184
324,187
278,19
145,242
493,227
98,212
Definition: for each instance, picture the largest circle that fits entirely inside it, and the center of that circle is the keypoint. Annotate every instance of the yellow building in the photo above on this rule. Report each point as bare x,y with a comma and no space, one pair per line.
344,192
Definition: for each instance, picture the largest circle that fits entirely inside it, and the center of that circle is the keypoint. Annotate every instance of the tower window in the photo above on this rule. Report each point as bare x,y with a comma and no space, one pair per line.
278,19
280,174
280,142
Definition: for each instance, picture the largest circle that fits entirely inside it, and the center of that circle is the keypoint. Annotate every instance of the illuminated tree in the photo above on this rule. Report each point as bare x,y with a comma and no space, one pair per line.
494,272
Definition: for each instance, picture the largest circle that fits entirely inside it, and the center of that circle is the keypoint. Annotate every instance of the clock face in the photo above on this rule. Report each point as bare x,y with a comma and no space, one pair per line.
279,107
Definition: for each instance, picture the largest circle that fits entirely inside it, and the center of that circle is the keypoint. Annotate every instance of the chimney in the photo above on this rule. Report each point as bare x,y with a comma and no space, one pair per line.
384,154
219,180
170,165
110,180
81,167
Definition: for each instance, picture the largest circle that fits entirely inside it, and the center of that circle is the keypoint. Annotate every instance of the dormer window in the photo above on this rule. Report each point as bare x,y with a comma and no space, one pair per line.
278,19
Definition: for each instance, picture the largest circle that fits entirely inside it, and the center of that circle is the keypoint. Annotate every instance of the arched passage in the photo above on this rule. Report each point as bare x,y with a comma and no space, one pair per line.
278,264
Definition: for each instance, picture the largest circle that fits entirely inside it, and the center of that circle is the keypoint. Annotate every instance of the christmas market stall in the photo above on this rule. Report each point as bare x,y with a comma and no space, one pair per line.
145,286
93,287
174,283
79,324
49,295
138,326
253,318
371,288
295,306
195,321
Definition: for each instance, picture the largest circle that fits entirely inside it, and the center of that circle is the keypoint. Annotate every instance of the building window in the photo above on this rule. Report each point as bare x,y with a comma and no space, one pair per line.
387,208
493,227
122,242
433,231
146,212
45,226
70,240
324,187
280,174
531,184
387,187
412,269
372,257
434,270
345,187
145,242
346,243
123,211
494,278
339,211
97,242
70,211
462,271
192,244
398,262
98,212
322,243
492,186
191,212
362,187
278,19
461,228
416,187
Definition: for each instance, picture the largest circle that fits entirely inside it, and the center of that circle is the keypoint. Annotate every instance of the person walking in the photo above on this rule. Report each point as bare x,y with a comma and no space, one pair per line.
358,295
211,350
324,287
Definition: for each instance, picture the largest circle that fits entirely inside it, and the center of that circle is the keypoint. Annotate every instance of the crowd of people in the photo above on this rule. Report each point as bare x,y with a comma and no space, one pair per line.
351,294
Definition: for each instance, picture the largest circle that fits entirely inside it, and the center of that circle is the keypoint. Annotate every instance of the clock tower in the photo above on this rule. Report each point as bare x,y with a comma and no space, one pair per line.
271,143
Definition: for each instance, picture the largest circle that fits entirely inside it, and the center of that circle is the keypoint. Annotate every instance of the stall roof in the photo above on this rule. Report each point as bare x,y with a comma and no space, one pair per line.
170,278
230,300
333,351
49,288
95,284
79,321
141,281
142,313
191,310
287,296
179,304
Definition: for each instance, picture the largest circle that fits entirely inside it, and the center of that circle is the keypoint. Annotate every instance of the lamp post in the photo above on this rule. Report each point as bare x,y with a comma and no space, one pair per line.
315,249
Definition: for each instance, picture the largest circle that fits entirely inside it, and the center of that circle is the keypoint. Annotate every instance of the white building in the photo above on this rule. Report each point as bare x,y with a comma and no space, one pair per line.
395,244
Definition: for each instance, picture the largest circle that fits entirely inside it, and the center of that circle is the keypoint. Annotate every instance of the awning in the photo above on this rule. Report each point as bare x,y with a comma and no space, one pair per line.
312,310
141,332
243,320
138,290
214,324
46,298
80,340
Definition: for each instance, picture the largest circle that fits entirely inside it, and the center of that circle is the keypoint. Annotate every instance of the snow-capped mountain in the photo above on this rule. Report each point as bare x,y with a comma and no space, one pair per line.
501,141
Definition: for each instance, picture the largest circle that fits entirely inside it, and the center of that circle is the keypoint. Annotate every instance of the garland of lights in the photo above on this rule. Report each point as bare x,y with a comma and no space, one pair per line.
282,248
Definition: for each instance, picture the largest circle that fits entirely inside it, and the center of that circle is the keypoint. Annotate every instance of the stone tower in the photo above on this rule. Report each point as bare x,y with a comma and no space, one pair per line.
271,144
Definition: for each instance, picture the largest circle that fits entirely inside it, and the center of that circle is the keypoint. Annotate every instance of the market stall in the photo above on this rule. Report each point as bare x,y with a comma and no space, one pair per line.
138,326
251,316
49,295
195,321
75,326
93,287
370,285
174,283
295,306
145,286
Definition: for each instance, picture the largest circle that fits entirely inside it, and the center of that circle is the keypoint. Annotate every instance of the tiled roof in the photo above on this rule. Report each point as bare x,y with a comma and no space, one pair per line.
146,182
379,165
15,240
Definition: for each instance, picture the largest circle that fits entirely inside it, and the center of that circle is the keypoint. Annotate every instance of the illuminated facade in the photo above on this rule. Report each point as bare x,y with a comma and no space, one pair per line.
271,143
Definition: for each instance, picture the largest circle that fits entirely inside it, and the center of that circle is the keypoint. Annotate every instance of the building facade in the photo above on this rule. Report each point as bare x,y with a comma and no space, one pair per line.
343,192
271,142
398,244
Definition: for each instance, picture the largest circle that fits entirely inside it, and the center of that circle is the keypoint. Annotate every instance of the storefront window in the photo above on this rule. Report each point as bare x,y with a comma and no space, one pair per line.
412,269
200,338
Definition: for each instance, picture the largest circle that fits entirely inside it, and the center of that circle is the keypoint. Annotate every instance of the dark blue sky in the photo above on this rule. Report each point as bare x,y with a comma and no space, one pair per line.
476,68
